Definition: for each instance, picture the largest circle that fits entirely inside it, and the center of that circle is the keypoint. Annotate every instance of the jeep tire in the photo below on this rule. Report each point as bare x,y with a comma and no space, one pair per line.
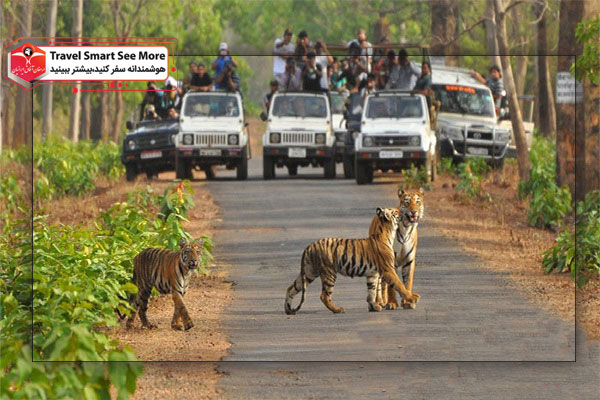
292,169
130,172
242,168
329,168
363,171
183,170
268,168
348,167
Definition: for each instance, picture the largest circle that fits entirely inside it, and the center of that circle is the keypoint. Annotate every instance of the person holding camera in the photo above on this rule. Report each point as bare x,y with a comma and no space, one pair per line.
153,97
274,85
404,74
292,77
302,48
312,74
224,58
323,59
228,80
282,50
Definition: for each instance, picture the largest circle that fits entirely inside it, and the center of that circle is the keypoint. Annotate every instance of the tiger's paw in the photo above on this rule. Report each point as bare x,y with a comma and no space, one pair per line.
150,325
392,305
375,307
338,310
189,325
177,327
408,305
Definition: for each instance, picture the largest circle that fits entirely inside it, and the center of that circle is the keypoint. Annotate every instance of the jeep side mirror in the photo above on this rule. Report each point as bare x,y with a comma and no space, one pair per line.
263,116
129,125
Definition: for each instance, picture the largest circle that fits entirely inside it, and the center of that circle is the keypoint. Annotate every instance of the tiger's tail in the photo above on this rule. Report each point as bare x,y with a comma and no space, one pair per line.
293,289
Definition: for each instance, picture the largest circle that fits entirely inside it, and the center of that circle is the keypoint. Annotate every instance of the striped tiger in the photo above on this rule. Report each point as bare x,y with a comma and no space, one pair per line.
169,272
372,257
411,211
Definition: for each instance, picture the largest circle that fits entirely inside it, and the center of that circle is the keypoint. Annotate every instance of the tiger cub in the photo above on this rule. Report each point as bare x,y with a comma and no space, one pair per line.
169,272
372,257
411,211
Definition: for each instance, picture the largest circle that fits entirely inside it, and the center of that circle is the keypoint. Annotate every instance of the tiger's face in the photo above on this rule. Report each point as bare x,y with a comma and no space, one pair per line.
189,253
389,218
411,205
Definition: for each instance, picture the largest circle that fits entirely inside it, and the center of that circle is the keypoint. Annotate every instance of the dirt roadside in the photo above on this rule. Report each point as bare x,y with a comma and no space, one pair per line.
194,378
498,233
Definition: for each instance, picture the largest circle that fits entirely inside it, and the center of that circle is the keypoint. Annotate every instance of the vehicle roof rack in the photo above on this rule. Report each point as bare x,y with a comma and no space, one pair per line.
301,92
393,91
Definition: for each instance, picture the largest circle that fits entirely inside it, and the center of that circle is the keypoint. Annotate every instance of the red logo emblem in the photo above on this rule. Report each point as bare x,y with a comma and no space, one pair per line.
28,62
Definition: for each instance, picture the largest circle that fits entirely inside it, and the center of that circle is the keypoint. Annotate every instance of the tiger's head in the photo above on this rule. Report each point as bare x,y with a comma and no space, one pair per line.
385,222
411,205
189,253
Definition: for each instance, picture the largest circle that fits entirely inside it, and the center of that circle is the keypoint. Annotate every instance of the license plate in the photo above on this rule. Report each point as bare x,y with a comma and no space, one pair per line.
210,152
294,152
390,154
151,154
479,151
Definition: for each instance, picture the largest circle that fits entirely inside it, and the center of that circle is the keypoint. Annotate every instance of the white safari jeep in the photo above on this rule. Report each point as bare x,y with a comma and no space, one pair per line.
467,124
299,133
395,132
212,131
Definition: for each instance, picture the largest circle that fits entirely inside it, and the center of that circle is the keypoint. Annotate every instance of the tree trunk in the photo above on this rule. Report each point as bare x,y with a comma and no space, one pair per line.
491,43
22,126
47,89
116,126
521,63
545,97
444,20
587,162
511,90
104,125
569,117
76,97
85,114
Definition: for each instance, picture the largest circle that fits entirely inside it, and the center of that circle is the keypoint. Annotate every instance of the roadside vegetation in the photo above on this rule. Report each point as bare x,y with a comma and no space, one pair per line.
80,274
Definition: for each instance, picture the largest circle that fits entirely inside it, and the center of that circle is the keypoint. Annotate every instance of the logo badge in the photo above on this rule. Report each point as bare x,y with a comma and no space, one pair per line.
476,135
26,64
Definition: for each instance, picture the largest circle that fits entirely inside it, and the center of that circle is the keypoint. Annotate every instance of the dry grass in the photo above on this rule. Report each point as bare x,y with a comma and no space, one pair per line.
498,233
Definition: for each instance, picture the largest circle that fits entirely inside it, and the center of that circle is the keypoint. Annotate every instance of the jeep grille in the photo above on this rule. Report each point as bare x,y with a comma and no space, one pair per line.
382,141
297,138
150,142
211,139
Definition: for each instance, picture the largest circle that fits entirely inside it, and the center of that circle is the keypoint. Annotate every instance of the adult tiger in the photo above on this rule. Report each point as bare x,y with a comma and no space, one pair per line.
169,272
411,211
372,257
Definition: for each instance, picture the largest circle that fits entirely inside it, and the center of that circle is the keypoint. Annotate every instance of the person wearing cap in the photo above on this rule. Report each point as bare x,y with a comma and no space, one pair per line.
274,85
403,76
366,49
150,114
201,80
153,97
224,58
291,80
282,50
312,74
302,48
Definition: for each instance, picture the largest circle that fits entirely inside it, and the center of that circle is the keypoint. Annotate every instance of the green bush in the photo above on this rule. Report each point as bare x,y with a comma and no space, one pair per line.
470,175
80,276
549,203
415,178
584,260
72,168
447,166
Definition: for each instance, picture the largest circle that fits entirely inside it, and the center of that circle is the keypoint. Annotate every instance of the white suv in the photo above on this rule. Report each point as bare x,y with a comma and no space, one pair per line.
212,132
395,132
299,133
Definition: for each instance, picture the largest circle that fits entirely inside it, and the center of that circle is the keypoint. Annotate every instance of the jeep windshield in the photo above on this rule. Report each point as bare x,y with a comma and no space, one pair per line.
394,107
465,100
300,106
337,103
211,106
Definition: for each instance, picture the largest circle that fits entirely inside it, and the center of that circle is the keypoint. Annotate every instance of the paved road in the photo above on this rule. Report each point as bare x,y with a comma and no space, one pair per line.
466,312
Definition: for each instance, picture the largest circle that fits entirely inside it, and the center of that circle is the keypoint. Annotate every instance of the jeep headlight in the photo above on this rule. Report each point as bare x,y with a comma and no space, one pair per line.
274,137
233,139
173,139
367,141
454,133
320,138
502,136
414,140
131,144
188,139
